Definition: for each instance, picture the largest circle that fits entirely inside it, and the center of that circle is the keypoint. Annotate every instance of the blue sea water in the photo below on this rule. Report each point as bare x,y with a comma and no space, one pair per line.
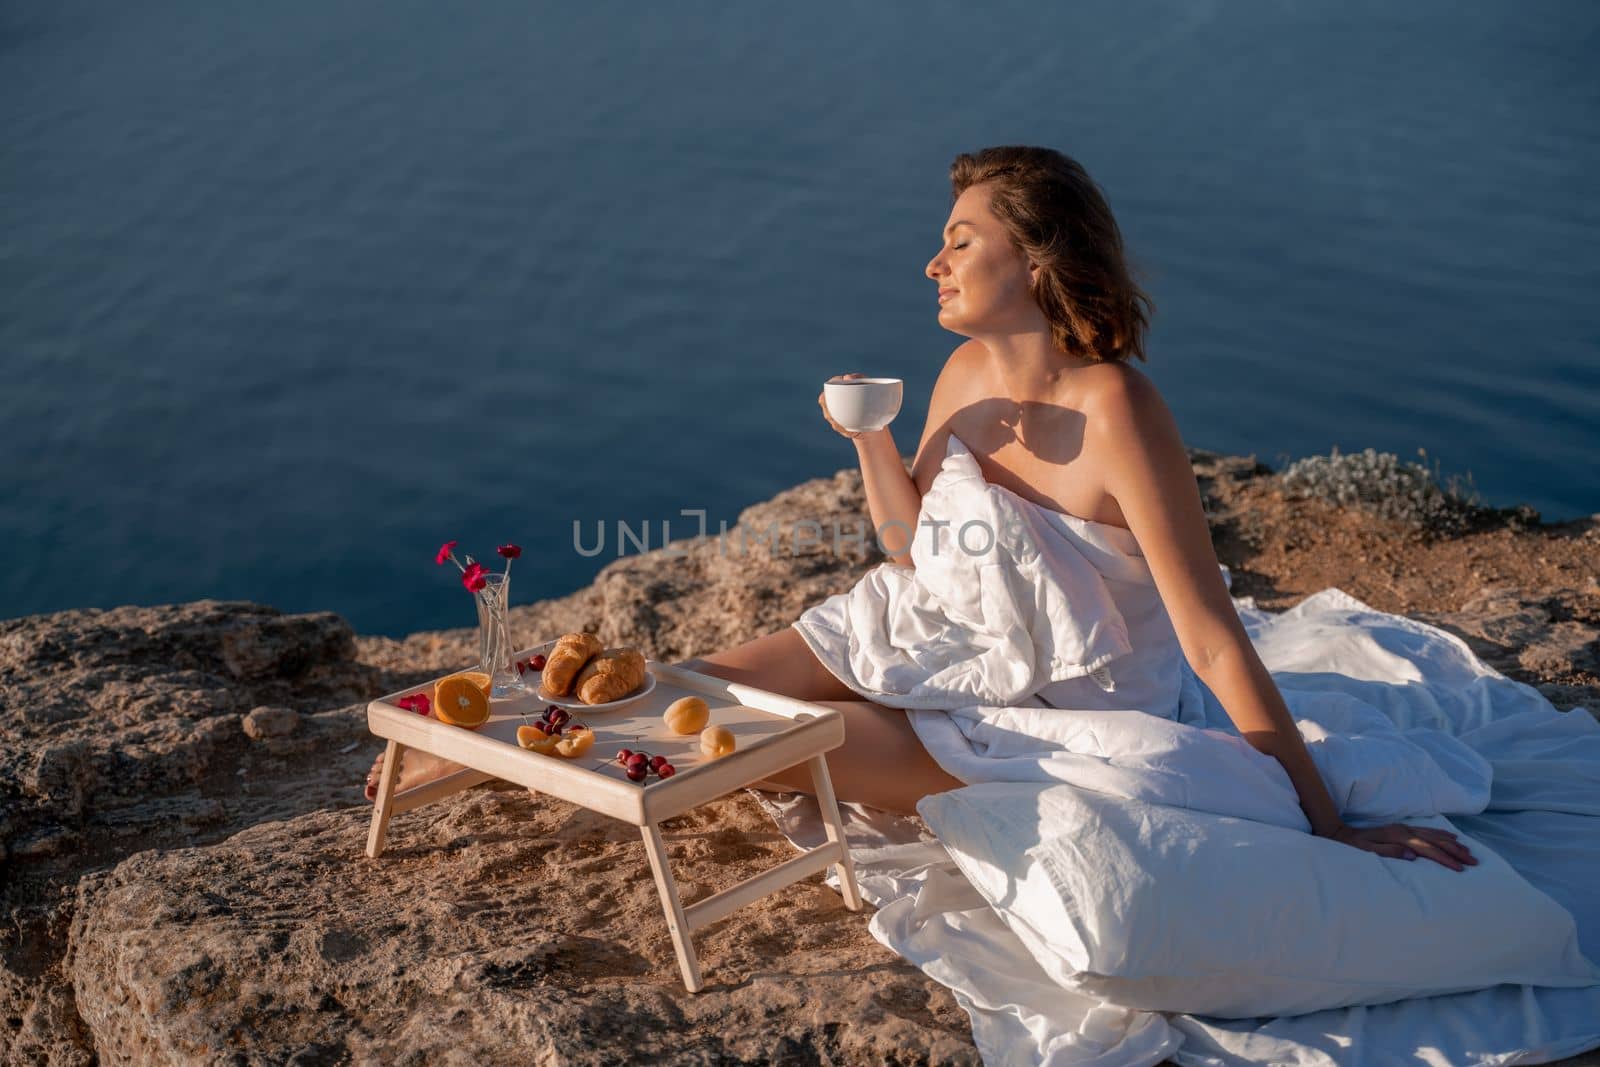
291,293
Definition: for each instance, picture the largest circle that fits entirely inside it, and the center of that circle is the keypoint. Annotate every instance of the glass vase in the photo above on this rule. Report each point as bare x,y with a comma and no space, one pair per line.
495,647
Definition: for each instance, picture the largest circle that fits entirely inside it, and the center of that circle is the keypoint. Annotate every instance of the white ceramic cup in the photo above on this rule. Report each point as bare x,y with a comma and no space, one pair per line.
861,405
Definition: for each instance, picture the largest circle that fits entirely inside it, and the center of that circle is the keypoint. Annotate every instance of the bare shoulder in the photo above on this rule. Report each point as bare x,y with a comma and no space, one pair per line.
957,386
1113,385
1120,401
964,366
1131,433
959,383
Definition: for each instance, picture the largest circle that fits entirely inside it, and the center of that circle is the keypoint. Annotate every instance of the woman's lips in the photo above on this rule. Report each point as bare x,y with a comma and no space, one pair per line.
945,294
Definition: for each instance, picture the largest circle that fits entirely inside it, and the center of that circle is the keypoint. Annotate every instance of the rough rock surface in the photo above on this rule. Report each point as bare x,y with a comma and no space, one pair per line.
496,929
181,827
122,731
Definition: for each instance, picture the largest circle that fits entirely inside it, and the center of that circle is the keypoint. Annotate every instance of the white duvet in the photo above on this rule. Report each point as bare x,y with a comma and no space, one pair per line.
1124,879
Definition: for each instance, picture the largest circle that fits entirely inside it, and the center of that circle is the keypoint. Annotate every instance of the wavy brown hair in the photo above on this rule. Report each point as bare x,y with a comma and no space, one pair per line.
1059,217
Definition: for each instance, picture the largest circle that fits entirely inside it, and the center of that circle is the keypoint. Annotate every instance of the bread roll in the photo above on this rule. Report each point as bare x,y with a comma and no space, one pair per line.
611,675
572,651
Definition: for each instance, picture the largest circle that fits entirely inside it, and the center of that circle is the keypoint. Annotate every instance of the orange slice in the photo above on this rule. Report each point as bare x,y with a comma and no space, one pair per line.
458,701
477,678
537,740
575,744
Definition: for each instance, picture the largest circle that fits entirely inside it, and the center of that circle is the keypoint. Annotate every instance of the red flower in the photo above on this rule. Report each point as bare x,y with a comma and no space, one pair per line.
510,551
444,552
473,578
417,702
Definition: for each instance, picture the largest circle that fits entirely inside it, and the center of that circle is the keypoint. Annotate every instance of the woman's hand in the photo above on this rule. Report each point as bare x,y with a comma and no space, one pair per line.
823,404
1399,841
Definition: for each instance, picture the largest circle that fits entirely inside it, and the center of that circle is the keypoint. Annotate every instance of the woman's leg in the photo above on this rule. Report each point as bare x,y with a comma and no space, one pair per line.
780,662
882,762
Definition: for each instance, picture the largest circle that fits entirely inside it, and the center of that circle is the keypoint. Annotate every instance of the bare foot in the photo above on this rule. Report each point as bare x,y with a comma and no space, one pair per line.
416,768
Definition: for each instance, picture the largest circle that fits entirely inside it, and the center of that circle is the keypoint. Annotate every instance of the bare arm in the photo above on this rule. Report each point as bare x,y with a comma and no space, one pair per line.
894,497
1148,473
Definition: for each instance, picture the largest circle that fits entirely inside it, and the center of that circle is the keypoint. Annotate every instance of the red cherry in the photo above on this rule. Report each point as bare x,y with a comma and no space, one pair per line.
639,760
623,754
666,770
657,762
636,774
537,662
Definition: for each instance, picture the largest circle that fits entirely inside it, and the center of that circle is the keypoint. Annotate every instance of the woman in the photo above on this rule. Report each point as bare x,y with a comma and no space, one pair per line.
1032,271
1044,397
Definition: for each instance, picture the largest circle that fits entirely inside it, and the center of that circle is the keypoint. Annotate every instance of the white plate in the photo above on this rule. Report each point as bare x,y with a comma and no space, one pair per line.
572,703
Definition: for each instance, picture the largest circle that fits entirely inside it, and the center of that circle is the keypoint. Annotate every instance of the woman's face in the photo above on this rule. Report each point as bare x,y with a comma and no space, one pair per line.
985,282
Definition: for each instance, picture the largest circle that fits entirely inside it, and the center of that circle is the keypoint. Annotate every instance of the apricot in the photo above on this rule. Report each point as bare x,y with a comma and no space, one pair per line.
687,715
716,742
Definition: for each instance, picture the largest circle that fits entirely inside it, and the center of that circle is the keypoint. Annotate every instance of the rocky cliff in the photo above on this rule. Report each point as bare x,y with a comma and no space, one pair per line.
181,823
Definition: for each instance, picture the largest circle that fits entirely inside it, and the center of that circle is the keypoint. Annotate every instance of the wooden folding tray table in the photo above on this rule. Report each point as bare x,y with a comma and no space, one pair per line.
772,732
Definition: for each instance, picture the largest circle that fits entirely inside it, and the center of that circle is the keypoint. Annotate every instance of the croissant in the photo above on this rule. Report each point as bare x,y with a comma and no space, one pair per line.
611,675
572,651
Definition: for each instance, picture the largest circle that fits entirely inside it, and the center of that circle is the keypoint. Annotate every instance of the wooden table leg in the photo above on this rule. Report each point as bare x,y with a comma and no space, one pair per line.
383,805
833,823
677,925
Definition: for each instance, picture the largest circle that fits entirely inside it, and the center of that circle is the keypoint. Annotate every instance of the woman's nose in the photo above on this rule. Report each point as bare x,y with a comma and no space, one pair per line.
935,266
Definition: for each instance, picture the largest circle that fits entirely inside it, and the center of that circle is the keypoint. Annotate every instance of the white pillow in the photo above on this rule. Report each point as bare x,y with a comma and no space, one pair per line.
1166,909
